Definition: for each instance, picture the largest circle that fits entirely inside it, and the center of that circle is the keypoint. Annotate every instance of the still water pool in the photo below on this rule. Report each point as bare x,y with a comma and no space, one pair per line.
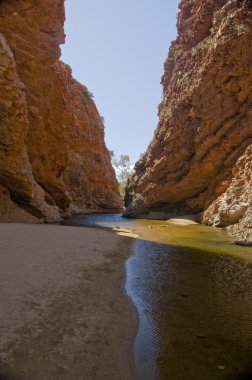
192,288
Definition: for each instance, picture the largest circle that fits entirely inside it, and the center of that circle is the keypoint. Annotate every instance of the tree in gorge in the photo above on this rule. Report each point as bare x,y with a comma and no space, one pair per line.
123,170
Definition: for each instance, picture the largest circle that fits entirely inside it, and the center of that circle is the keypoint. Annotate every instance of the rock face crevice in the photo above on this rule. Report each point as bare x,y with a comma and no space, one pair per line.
53,159
205,118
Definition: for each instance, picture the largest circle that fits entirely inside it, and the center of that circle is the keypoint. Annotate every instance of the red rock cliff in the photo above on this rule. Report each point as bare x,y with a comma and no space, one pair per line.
52,150
88,175
205,117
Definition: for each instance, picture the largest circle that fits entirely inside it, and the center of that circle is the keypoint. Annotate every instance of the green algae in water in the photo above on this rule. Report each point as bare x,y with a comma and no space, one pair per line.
197,236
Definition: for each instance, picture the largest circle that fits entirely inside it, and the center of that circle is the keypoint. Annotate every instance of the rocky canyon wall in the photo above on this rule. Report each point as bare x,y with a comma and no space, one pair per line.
53,159
194,163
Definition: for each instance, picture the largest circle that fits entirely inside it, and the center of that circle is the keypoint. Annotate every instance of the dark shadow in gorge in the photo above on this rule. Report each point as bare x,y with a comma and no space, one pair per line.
9,376
244,376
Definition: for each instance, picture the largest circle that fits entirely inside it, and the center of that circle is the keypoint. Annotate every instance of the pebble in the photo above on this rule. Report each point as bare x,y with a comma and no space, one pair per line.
200,335
221,367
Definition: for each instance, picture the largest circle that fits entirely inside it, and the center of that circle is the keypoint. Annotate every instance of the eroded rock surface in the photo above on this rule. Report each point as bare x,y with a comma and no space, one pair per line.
46,129
234,207
205,117
88,176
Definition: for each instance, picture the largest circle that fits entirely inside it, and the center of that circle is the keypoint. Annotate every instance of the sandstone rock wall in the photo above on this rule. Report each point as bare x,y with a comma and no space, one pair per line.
36,151
234,207
205,116
88,176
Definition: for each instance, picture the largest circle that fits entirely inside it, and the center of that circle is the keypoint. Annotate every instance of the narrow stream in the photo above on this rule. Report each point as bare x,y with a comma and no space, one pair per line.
193,291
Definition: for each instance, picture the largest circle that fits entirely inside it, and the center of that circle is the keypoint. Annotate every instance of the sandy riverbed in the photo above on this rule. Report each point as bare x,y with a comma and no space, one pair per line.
64,312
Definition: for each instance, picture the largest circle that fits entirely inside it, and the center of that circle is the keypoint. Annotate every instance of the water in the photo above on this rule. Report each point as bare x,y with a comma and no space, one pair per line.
193,291
100,220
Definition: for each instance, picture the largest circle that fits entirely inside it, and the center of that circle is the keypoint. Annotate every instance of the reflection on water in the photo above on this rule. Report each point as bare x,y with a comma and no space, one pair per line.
100,220
193,292
195,312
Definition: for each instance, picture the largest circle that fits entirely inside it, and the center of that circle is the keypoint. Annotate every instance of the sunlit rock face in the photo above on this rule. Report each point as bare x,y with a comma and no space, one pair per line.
205,118
234,207
89,177
47,134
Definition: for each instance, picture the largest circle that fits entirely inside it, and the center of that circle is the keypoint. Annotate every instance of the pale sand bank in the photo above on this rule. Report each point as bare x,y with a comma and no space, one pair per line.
185,220
181,222
64,312
125,232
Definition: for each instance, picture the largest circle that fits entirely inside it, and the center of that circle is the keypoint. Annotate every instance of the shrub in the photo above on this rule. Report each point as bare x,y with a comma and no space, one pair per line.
240,29
89,94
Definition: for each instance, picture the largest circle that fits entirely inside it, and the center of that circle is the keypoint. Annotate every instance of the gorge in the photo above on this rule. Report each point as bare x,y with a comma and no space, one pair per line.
53,157
156,293
54,161
199,161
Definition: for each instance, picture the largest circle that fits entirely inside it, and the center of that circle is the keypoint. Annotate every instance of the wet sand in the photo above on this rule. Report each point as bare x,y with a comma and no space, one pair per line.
64,311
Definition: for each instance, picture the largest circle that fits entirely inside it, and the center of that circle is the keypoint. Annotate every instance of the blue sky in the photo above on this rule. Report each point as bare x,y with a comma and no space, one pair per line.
117,49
